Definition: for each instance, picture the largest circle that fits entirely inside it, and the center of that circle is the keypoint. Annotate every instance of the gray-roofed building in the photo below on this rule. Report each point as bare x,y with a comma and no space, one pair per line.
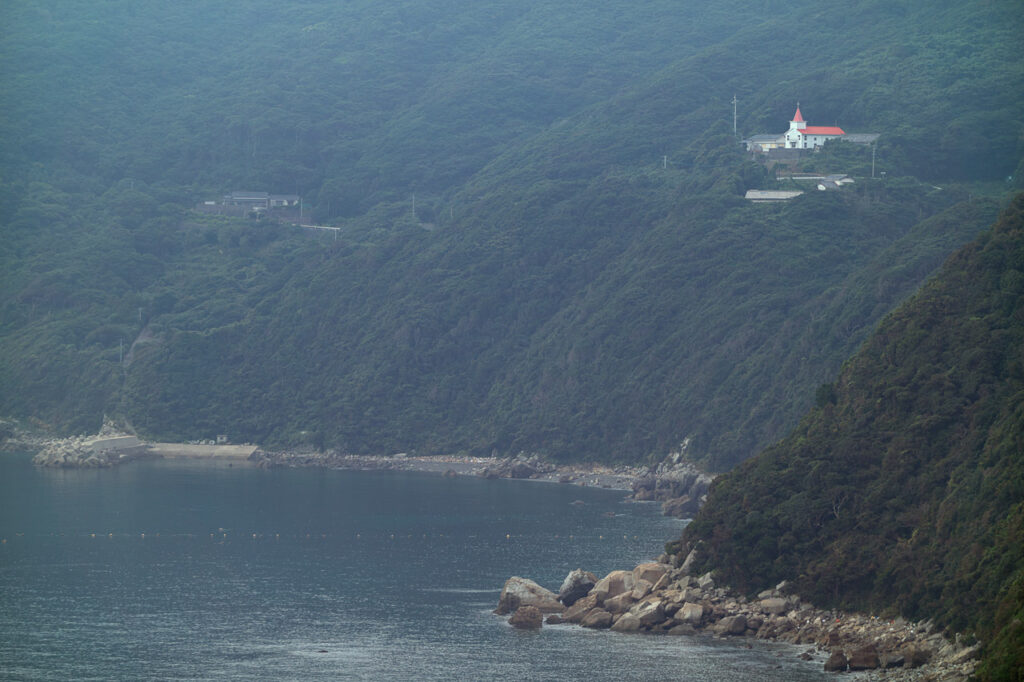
862,138
764,195
764,142
264,200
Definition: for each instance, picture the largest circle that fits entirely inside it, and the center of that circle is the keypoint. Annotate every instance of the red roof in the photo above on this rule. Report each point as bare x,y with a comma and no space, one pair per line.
822,130
797,118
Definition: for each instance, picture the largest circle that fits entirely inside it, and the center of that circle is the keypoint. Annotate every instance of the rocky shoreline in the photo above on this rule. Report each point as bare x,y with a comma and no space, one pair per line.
111,447
663,597
91,452
518,467
678,485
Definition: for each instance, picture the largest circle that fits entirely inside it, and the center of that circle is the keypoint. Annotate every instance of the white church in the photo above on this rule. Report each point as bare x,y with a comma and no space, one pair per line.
802,136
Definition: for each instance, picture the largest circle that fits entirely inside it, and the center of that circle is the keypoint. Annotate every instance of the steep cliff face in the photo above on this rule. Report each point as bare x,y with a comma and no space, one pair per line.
903,490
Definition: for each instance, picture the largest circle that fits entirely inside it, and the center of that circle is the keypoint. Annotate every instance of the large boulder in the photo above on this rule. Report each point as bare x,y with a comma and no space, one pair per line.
836,663
915,655
651,572
619,603
684,507
865,658
641,588
690,613
643,487
732,625
891,660
628,622
687,566
527,618
774,605
597,619
524,592
650,613
613,584
576,585
663,584
576,612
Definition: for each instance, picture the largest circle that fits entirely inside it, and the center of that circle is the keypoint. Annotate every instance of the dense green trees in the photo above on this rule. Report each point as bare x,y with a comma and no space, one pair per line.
903,490
580,276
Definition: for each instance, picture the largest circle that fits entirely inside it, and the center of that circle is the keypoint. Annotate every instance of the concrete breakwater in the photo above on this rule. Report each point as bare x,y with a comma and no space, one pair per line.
107,450
658,598
90,452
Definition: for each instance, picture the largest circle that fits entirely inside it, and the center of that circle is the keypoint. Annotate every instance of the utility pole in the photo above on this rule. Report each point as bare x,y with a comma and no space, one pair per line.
734,102
664,161
414,205
872,162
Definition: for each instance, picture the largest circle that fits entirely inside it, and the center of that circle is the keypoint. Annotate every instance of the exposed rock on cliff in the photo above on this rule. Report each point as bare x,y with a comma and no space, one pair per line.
681,488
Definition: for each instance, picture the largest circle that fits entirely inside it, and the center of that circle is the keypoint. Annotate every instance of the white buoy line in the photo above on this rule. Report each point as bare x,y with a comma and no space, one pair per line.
275,536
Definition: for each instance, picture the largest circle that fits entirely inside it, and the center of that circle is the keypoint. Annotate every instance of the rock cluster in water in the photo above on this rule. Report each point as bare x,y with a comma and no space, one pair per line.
679,486
657,598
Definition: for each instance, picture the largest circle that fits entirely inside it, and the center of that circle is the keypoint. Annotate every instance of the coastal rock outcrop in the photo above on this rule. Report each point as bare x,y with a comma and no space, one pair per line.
527,618
864,658
836,662
613,584
576,585
690,613
628,622
519,592
597,619
656,598
651,572
576,612
680,486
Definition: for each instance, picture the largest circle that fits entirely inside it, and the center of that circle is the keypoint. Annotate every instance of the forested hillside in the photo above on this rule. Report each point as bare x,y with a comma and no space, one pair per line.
903,490
578,274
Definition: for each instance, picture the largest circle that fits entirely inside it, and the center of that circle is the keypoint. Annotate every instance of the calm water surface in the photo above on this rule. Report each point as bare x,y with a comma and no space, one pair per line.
167,570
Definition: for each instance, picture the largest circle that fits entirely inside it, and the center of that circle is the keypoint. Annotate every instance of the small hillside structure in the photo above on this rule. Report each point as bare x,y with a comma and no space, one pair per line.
760,196
801,136
279,207
261,200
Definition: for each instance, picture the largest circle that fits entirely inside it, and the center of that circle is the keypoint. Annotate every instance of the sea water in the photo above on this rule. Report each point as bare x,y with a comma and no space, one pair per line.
171,570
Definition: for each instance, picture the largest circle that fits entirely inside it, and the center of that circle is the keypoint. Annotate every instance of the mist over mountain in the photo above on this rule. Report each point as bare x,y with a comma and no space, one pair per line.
543,240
